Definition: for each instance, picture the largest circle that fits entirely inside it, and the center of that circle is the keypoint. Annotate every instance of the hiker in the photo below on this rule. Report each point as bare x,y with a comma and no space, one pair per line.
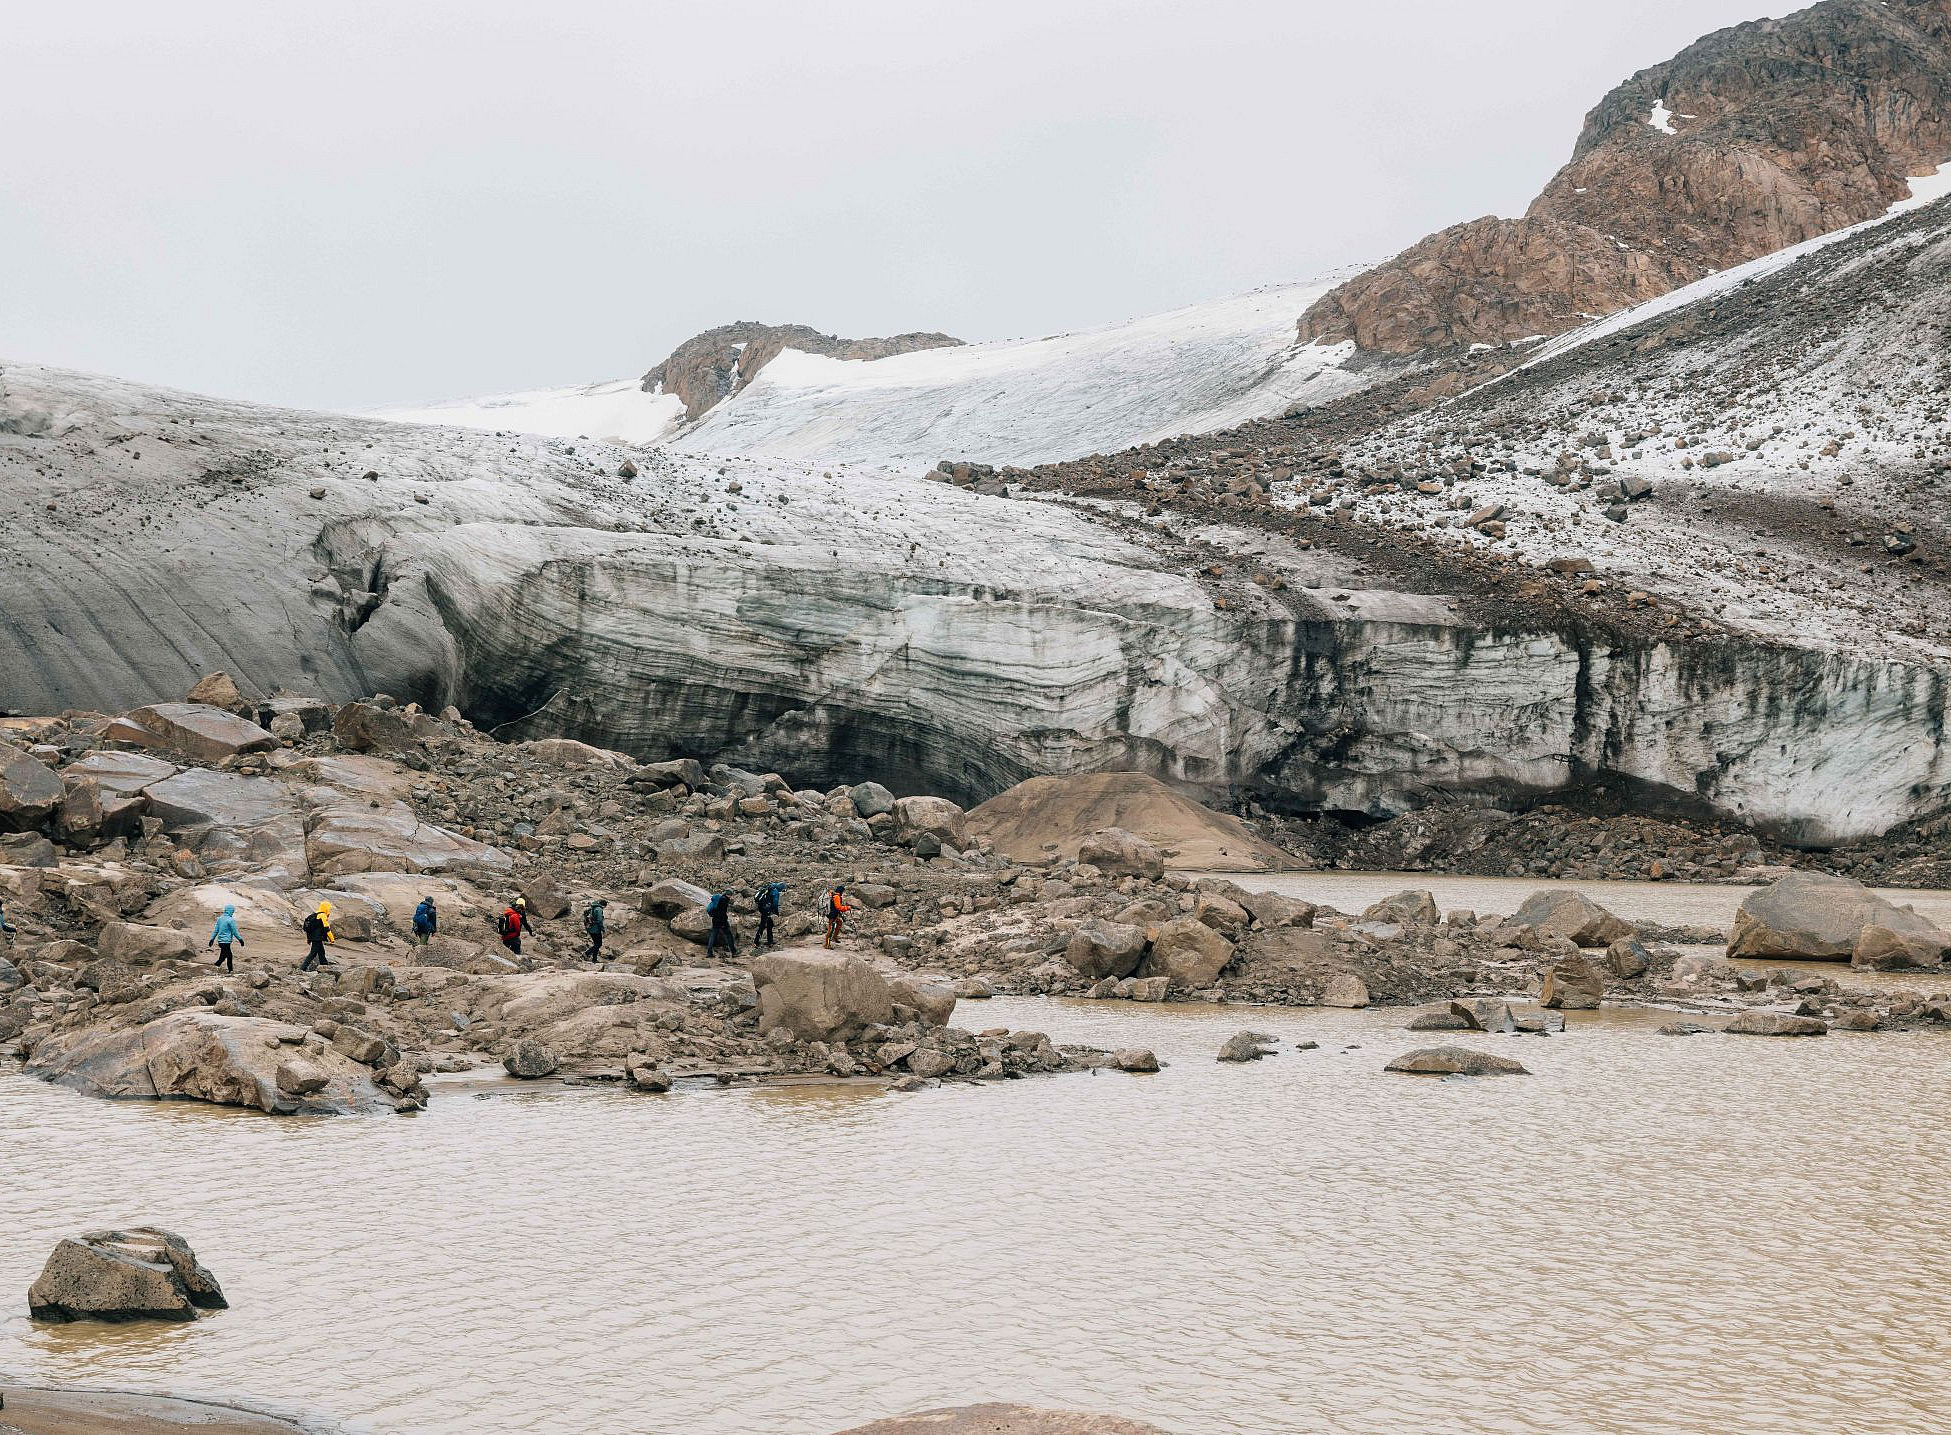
510,925
318,931
223,936
593,923
836,913
767,901
719,909
426,921
5,925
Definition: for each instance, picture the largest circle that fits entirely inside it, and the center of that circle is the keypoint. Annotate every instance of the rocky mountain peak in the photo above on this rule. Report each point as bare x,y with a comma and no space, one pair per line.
710,367
1751,139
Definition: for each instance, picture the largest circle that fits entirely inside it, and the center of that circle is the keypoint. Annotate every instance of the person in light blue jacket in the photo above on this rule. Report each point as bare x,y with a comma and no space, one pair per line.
223,936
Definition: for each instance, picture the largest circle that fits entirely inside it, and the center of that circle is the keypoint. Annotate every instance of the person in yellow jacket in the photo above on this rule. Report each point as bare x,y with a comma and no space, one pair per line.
318,931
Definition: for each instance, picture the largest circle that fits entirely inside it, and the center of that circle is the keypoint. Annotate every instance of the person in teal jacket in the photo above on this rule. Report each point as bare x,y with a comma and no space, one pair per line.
223,936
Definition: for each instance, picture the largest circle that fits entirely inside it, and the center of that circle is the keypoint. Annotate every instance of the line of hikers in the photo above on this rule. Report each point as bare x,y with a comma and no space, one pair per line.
514,920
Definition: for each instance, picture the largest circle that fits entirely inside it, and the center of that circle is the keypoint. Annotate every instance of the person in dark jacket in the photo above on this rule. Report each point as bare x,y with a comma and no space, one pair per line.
426,921
595,924
318,931
767,901
5,925
719,909
223,936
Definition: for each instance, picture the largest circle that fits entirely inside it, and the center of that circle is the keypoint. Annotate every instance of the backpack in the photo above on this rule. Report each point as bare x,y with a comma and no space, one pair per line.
314,928
718,905
833,904
593,919
767,900
509,924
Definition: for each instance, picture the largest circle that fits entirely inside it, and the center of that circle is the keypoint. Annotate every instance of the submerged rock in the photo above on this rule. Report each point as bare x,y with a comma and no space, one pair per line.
1247,1046
1573,984
1776,1023
1455,1061
141,1273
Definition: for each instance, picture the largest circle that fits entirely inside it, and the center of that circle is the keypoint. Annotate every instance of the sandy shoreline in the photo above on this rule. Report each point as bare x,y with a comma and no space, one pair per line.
34,1411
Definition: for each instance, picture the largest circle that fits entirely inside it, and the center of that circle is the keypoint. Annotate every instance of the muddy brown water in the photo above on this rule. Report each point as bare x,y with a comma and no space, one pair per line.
1648,1235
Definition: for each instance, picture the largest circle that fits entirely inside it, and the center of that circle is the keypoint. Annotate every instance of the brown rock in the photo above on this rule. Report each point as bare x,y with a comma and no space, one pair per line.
203,733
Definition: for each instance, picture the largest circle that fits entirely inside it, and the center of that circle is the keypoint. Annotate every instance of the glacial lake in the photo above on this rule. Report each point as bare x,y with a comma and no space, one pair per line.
1649,1234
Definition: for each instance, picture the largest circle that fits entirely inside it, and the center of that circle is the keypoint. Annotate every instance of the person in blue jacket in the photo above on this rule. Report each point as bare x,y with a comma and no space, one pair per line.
223,936
5,925
426,921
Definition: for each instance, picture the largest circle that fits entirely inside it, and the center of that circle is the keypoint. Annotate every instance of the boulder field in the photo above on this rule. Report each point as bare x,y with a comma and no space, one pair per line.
372,806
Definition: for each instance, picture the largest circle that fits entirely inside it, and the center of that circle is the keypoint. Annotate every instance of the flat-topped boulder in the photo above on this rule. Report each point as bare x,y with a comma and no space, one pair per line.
1813,916
203,732
1455,1061
121,773
1188,953
140,1273
819,995
1119,853
349,837
202,1056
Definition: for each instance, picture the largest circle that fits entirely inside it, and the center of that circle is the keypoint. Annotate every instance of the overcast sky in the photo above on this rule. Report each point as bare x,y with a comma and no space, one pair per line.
345,205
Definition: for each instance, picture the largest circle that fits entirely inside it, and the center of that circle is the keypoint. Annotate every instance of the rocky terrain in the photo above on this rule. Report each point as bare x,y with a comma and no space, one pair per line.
1696,515
131,833
708,368
1750,140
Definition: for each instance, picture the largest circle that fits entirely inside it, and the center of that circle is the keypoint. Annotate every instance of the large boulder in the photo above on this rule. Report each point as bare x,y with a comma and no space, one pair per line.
1274,909
567,752
819,995
1455,1061
678,772
143,946
531,1059
1573,984
1188,953
1815,916
202,1056
1561,912
931,999
935,817
354,837
29,790
120,773
1122,854
203,733
870,799
1882,947
253,821
219,690
672,896
997,1419
141,1273
1406,909
1345,989
367,727
1099,949
1776,1023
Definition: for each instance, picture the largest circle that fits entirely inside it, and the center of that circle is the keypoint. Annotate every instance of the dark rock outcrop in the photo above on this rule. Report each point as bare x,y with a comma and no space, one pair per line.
710,367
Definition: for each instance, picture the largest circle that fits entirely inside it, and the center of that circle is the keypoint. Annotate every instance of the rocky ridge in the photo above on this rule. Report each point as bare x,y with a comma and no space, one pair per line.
1753,139
708,368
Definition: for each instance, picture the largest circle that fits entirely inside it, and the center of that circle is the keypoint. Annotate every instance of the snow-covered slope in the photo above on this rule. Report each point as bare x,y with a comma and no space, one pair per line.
617,409
1025,401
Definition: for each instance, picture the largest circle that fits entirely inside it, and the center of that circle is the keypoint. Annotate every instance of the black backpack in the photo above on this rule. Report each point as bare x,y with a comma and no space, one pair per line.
767,900
314,928
593,919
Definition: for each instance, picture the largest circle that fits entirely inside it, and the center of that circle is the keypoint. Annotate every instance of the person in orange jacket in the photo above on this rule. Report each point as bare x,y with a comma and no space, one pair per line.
511,923
836,913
